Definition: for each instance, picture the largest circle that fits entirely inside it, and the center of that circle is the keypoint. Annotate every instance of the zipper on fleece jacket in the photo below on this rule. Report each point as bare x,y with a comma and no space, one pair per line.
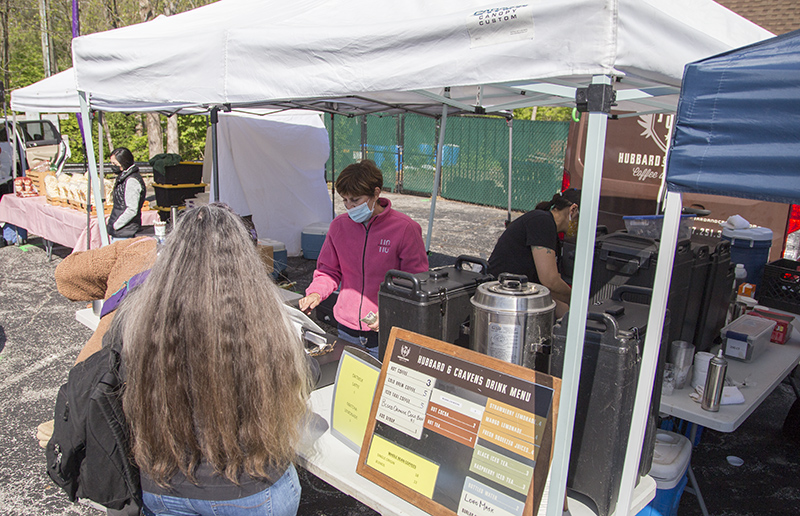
363,276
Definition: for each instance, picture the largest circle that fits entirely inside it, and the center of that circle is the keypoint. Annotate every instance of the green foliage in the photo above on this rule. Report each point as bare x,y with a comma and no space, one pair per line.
551,114
192,129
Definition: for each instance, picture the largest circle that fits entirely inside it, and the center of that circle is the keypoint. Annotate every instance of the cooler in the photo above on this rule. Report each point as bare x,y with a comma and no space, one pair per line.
279,255
670,464
624,259
312,238
433,303
615,332
716,297
751,248
697,284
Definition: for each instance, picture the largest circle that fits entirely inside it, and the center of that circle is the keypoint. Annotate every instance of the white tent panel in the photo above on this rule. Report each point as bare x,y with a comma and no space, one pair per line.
245,51
273,168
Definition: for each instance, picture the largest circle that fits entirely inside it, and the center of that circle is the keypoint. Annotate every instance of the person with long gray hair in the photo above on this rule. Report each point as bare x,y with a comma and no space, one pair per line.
217,382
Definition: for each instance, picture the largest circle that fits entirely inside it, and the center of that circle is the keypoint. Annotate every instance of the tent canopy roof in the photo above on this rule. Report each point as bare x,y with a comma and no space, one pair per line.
381,56
738,119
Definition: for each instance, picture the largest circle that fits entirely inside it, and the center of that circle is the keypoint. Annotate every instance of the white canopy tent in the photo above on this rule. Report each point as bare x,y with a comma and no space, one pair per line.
258,151
367,56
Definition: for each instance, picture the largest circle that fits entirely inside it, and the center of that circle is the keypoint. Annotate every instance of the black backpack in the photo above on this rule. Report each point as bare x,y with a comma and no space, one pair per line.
89,453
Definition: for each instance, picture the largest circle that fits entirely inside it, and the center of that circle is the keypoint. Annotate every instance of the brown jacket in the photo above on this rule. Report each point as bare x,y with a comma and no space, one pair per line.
98,273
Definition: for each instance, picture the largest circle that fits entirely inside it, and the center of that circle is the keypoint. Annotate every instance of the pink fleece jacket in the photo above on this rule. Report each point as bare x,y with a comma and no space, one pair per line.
359,255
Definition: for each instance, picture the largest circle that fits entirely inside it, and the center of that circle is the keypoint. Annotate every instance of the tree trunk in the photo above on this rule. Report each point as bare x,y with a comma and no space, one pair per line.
173,140
107,132
155,136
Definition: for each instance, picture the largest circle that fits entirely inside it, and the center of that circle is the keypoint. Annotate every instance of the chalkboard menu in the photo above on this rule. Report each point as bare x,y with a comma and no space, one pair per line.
457,432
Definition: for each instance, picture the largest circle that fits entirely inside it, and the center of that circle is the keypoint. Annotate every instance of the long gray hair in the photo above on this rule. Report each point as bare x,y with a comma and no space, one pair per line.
214,370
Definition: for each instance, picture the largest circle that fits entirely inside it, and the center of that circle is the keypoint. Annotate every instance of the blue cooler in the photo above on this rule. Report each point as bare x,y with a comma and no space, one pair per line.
751,248
311,239
279,256
670,463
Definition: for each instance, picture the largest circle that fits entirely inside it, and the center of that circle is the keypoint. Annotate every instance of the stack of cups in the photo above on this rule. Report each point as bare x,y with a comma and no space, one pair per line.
681,354
701,361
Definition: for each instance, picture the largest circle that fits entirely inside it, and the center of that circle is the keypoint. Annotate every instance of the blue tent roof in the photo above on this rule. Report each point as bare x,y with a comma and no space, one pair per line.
737,130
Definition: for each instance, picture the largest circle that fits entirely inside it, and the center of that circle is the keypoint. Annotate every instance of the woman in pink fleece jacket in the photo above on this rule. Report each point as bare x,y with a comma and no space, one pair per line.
361,246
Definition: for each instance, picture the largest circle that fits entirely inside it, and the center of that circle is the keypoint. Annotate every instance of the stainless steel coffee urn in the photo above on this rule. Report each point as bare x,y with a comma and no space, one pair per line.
512,320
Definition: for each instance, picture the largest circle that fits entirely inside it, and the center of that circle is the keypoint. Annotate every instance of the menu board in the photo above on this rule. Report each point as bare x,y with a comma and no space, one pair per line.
458,432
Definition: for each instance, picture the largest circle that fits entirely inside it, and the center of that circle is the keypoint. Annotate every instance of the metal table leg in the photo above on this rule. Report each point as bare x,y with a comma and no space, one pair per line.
48,246
695,489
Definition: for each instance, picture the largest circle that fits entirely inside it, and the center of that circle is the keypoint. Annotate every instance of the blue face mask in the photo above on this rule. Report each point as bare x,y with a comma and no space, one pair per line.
361,213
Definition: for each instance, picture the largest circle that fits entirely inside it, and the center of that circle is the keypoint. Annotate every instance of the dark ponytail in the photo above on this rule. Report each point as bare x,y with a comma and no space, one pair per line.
560,201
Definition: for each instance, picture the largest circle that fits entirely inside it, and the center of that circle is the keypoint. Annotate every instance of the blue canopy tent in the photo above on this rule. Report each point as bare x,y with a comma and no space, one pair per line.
737,129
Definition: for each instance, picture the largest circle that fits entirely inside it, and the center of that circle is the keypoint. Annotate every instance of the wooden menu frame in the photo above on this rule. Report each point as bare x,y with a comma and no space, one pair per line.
454,431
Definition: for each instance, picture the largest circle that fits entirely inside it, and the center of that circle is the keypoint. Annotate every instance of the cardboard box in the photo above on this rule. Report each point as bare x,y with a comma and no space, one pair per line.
783,324
265,251
746,337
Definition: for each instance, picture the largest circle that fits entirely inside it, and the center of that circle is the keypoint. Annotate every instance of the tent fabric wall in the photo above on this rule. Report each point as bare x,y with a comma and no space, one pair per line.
273,168
737,120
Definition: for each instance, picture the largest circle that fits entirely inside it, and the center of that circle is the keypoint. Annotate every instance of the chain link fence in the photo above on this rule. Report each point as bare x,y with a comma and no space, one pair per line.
475,156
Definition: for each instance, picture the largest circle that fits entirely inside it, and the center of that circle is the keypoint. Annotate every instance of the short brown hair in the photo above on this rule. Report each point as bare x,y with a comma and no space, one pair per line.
360,179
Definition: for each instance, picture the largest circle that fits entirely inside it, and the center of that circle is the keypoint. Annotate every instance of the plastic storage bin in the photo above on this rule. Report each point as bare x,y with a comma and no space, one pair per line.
185,172
670,463
279,256
751,248
176,195
746,337
312,238
650,225
780,286
433,303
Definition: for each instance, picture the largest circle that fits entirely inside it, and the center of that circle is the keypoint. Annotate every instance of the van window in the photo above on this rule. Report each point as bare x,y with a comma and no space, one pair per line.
38,130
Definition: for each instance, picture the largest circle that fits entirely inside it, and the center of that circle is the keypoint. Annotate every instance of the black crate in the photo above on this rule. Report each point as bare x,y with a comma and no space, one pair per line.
185,172
176,195
780,286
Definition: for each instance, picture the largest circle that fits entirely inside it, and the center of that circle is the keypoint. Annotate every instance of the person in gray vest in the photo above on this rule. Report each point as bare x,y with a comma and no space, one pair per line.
129,193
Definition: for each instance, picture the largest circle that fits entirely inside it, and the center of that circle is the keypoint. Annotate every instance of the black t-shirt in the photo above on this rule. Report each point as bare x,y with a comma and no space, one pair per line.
512,253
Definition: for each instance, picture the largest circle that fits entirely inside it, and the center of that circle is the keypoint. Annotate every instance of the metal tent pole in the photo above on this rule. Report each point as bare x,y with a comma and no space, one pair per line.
436,177
579,300
333,169
214,154
90,157
510,123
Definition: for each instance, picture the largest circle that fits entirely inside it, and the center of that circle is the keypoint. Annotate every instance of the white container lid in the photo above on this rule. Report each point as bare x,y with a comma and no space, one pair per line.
670,459
749,326
757,233
317,228
276,245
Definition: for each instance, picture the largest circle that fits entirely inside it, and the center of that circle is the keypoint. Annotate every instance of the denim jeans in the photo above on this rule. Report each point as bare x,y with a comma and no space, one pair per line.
281,499
347,335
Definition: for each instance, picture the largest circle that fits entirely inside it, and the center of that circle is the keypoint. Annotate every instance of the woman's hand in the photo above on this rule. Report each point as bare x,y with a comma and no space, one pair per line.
374,326
308,303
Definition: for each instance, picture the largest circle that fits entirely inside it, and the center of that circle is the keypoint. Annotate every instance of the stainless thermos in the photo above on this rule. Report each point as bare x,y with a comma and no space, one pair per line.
715,381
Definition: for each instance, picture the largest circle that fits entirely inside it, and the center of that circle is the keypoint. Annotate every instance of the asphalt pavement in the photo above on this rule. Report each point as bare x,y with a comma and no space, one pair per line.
40,338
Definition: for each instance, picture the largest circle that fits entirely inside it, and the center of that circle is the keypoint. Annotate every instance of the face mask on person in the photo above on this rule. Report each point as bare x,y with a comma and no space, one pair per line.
361,213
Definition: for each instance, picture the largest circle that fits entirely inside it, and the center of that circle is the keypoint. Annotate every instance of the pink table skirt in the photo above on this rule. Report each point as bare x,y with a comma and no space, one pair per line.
65,226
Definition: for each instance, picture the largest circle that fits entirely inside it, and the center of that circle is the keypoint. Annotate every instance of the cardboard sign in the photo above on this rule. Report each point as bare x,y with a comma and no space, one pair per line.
457,432
354,389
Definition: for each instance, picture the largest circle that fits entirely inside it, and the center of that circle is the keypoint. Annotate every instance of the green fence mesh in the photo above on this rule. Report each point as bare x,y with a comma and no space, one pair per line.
474,157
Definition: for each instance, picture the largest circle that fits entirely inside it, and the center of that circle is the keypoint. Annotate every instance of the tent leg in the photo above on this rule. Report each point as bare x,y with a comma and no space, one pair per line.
510,123
333,168
436,177
579,304
214,155
93,175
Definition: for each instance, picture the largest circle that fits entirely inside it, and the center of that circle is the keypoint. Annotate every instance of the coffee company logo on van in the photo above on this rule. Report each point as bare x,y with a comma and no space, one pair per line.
655,130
